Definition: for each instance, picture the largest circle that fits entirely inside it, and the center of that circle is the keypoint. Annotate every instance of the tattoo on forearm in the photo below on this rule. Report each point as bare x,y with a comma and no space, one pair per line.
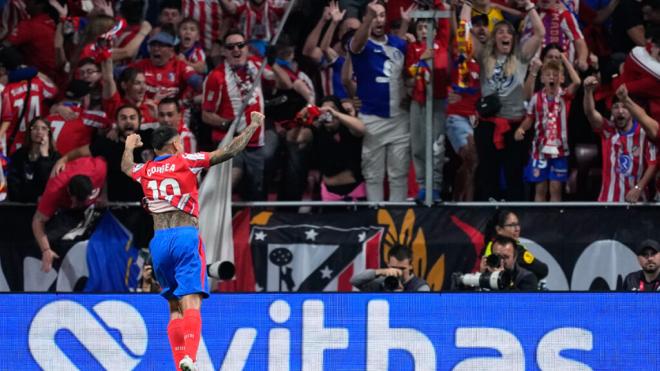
127,161
236,145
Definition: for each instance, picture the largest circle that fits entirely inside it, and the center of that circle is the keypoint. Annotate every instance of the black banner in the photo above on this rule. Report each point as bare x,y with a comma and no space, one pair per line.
586,248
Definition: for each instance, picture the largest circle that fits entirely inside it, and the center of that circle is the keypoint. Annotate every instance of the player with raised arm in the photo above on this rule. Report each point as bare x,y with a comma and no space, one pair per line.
170,187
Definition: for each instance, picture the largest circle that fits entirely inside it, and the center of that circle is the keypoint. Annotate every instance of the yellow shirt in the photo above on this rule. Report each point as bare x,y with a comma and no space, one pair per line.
494,16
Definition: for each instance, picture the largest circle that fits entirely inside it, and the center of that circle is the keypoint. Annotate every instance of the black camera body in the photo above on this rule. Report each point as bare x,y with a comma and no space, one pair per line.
392,283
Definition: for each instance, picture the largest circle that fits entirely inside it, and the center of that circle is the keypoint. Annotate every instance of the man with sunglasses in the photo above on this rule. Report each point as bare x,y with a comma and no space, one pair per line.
165,74
647,279
225,90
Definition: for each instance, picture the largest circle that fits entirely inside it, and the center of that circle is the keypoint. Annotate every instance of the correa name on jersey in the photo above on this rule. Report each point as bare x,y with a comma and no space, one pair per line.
166,168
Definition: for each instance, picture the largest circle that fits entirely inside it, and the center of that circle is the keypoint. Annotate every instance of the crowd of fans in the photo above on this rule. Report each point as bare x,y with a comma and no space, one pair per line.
524,96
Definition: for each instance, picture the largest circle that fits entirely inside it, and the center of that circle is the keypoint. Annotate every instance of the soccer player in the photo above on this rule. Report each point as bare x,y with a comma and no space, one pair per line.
169,183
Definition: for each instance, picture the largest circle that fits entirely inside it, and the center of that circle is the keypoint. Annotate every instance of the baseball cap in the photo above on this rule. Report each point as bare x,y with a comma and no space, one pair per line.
647,244
77,89
164,38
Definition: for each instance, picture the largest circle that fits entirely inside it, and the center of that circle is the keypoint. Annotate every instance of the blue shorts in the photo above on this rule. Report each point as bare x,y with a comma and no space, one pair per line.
179,262
458,129
555,169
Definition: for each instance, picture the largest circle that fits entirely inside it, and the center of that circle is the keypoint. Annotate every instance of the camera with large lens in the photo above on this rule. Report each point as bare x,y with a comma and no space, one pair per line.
482,281
493,261
221,270
392,283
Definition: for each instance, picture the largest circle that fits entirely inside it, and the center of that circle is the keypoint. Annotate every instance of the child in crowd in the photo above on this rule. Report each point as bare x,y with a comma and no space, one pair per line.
191,50
548,111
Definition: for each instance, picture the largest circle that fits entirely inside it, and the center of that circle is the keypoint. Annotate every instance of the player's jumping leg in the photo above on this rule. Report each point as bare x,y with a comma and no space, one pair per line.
192,329
175,331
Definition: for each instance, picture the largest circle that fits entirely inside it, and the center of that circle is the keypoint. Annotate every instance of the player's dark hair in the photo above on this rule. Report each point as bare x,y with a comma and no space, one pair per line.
132,106
400,252
80,187
169,100
503,241
162,135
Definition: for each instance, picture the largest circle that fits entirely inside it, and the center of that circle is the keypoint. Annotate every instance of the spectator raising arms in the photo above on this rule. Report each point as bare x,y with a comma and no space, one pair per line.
503,62
378,61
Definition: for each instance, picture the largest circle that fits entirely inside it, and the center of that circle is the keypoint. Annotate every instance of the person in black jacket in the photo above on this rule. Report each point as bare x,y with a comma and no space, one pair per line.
506,223
30,165
647,279
521,278
398,273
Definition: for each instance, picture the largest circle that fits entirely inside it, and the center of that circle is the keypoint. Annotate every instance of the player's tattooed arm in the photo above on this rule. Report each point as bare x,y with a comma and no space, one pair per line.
133,141
239,143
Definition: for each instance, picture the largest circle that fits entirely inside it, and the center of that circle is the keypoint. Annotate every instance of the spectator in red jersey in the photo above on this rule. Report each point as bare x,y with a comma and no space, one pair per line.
131,89
629,157
79,186
209,16
561,27
257,20
191,51
418,65
22,101
169,114
548,111
36,37
165,74
225,89
69,134
31,164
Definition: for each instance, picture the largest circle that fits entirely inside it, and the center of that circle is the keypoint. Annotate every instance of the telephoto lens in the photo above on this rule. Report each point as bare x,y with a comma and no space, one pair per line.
221,270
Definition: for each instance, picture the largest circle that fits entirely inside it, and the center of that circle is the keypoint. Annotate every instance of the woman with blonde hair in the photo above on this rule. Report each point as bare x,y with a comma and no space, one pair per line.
504,61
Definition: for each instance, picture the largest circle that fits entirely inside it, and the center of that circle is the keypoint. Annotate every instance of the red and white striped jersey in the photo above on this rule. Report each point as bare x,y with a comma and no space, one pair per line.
195,54
13,102
172,77
208,13
540,110
225,89
253,23
71,134
169,182
626,155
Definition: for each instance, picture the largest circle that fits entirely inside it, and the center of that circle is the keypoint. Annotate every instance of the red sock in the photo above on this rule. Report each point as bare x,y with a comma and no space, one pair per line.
192,330
175,331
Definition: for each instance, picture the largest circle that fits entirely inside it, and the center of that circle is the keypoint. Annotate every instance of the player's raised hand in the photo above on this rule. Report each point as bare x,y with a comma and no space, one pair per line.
133,141
257,118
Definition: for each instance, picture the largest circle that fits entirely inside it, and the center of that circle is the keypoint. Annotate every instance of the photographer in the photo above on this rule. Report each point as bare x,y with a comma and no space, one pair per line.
398,276
505,248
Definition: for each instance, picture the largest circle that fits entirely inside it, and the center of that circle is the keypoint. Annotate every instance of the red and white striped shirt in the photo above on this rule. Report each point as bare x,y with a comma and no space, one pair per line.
626,155
540,108
225,89
253,23
13,102
208,13
170,182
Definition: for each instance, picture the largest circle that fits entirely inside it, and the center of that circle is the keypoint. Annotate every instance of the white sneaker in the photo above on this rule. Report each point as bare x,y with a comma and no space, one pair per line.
187,364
